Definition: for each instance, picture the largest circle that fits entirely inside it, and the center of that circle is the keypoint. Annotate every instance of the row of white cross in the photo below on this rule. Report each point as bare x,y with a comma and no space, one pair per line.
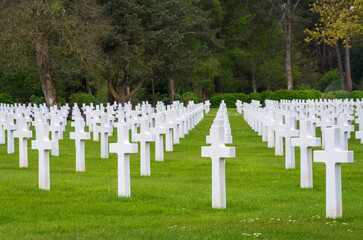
278,120
147,125
220,134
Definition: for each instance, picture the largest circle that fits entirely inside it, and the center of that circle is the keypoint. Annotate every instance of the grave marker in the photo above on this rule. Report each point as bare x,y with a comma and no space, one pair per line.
333,156
123,148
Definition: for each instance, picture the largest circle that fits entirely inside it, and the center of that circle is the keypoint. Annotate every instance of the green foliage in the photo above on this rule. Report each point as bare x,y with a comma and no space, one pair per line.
36,100
205,72
357,95
284,94
265,95
243,97
189,96
21,83
338,95
229,98
81,98
6,98
255,96
309,94
329,82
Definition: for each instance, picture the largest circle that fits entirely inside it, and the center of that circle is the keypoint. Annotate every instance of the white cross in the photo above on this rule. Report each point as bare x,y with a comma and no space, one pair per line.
159,130
123,148
43,145
288,132
218,152
324,122
94,121
333,156
144,138
279,147
23,134
239,106
10,128
2,127
79,135
207,106
55,130
345,130
104,130
172,128
305,142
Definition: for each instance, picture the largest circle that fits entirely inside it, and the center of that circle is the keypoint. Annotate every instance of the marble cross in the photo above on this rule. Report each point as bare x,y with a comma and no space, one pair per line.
172,128
279,146
144,138
358,134
239,106
207,106
123,148
55,130
346,129
10,127
23,134
2,127
333,156
79,135
288,132
104,130
305,142
218,152
43,145
159,130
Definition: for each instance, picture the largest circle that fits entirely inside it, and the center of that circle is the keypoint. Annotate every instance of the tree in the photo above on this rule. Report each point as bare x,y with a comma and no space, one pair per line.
148,36
45,30
338,20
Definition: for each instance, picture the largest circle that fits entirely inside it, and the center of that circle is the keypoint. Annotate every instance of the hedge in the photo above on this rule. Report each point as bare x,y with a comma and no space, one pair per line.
231,98
6,98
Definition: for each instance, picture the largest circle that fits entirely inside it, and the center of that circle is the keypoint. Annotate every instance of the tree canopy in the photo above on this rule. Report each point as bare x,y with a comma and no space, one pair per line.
159,49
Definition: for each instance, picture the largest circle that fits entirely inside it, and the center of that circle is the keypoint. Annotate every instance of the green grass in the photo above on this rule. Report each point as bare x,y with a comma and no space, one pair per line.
175,201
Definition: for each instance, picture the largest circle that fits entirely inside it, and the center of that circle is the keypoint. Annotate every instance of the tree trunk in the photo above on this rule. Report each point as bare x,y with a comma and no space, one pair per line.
110,97
288,46
171,89
88,87
41,55
217,85
319,58
348,76
340,66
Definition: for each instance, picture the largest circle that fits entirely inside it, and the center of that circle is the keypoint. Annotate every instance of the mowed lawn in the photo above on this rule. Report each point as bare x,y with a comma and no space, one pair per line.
264,200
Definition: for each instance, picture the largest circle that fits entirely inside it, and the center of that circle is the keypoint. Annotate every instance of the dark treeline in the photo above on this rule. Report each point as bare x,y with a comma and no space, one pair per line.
123,50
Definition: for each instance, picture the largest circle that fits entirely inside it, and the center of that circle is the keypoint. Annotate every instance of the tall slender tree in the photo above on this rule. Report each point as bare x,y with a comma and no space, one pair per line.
43,29
338,21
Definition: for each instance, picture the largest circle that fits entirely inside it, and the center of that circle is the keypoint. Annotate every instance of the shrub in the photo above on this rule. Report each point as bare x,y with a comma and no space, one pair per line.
36,100
255,96
265,95
189,96
177,97
243,97
310,94
229,98
81,98
357,95
6,98
329,82
284,94
338,95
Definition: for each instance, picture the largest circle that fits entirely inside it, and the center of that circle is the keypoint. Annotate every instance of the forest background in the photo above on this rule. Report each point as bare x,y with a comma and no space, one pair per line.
58,51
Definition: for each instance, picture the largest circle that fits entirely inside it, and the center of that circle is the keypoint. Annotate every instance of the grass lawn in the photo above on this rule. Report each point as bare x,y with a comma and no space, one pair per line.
175,201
